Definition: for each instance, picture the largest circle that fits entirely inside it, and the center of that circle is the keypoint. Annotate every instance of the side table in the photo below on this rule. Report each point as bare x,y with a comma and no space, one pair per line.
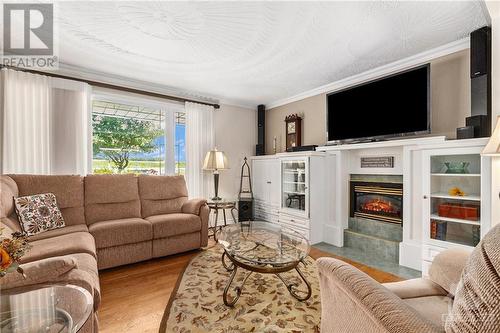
223,204
57,308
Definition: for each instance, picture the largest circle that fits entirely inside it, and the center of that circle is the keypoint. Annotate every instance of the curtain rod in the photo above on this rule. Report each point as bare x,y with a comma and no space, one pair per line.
112,86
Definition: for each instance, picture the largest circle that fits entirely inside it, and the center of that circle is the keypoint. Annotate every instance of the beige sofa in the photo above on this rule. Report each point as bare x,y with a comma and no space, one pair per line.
111,220
462,294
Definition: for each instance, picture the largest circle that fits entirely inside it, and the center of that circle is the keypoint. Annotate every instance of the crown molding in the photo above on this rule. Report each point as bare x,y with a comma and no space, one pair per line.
92,75
378,72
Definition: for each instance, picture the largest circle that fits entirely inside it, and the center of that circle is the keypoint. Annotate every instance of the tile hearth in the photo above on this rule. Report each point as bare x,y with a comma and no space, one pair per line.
370,260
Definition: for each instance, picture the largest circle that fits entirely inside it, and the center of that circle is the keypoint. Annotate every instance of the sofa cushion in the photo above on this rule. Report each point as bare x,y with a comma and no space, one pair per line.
447,268
415,288
8,191
10,225
167,225
193,206
120,232
111,197
477,301
76,242
433,308
68,190
59,232
162,194
38,213
88,264
39,271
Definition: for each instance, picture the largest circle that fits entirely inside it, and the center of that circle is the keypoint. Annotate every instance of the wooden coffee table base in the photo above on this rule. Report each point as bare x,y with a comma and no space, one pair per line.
264,269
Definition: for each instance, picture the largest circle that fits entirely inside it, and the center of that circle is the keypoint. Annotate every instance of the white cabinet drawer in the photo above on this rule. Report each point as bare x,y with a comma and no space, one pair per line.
293,220
430,251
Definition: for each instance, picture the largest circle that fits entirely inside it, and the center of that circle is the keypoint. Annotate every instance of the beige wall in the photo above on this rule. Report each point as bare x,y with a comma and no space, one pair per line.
236,135
450,105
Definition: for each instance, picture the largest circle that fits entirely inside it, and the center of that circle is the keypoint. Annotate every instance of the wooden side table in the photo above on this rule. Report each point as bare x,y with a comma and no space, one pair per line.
223,204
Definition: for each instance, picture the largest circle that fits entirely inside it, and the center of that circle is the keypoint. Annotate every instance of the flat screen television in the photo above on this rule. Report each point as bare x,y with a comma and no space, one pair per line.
389,107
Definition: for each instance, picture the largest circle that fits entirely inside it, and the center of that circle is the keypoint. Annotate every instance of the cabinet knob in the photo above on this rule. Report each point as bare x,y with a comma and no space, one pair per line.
269,182
425,197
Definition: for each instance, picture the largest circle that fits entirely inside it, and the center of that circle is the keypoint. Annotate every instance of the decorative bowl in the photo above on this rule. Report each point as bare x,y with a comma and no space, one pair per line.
456,167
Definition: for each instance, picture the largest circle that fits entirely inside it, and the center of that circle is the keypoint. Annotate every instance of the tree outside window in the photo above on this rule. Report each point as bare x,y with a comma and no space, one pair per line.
131,139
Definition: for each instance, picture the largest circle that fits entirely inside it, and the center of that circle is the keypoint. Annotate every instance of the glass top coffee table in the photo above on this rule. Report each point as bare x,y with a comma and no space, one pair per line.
266,248
58,308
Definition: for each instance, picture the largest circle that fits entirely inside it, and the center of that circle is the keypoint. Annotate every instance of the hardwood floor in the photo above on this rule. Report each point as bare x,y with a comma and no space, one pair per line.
135,296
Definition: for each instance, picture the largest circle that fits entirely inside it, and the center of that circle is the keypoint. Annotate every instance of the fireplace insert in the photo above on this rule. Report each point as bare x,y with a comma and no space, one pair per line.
377,201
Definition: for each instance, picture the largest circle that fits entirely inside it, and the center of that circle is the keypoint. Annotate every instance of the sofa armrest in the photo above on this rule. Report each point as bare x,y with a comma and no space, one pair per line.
415,288
193,206
446,268
354,302
38,272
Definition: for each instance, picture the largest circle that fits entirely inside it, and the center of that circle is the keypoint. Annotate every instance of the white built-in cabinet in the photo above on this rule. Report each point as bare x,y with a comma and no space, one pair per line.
454,202
266,188
283,186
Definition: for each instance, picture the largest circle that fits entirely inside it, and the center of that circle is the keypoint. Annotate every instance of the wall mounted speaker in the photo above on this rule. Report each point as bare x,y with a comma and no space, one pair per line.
261,130
480,52
480,73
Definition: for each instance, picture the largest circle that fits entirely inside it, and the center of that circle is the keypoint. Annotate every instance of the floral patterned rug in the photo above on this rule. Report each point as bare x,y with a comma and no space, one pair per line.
265,304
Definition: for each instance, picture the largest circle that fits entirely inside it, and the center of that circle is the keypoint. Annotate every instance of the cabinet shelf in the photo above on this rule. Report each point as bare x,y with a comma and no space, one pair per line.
472,197
292,172
456,174
298,183
293,192
450,219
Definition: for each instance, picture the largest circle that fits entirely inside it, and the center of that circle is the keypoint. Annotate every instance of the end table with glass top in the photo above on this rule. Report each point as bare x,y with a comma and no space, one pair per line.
222,204
57,308
266,248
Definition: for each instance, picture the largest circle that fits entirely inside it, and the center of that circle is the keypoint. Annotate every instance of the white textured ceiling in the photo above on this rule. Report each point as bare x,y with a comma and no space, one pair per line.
254,52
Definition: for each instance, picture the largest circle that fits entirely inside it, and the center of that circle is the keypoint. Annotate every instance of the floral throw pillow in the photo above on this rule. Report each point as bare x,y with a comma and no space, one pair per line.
38,213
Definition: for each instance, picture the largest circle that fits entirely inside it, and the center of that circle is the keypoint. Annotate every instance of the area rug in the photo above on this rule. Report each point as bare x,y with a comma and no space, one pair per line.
265,304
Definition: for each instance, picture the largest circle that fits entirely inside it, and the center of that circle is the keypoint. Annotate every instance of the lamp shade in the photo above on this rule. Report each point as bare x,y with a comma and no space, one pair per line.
215,160
492,148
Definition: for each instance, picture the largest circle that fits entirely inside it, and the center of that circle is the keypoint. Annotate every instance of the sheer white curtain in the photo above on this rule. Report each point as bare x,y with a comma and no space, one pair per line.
45,124
26,124
72,129
200,138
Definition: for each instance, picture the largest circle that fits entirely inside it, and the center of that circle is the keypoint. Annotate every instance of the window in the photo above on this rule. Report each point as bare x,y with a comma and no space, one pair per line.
131,137
180,143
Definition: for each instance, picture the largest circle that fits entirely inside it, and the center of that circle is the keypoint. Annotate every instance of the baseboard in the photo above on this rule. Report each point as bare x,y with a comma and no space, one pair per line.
410,255
333,235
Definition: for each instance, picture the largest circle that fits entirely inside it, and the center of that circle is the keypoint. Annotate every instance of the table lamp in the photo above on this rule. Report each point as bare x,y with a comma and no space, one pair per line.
492,148
216,160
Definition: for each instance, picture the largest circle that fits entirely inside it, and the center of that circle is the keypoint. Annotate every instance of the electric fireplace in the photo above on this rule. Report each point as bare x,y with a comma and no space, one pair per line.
377,201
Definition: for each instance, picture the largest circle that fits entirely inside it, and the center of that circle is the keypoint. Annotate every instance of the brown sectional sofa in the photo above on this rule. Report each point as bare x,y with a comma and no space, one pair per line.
111,220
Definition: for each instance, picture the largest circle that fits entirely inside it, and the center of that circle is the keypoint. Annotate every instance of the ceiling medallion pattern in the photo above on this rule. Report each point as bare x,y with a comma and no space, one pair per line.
254,52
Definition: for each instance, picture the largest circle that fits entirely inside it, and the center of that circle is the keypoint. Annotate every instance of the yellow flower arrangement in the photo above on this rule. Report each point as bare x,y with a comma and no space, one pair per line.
11,252
456,192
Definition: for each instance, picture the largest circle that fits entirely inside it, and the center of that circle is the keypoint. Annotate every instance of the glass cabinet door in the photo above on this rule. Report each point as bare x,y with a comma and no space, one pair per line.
294,185
455,199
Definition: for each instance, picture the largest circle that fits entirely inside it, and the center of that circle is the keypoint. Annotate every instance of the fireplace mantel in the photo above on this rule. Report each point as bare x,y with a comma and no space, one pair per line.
344,161
384,144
